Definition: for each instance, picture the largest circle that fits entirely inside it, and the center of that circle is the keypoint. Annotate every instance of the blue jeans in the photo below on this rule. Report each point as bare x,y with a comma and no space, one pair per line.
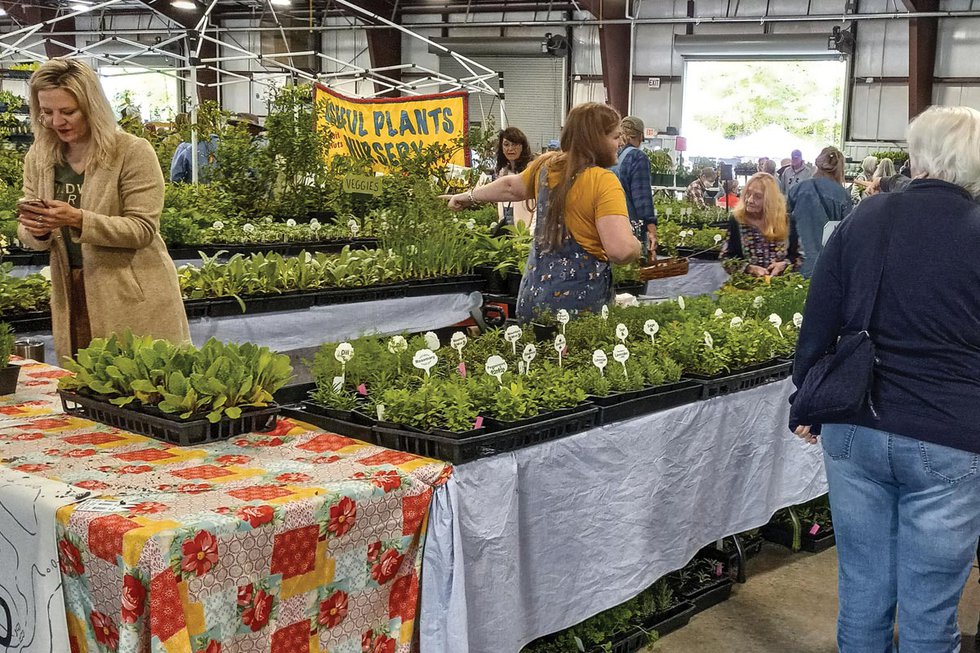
906,518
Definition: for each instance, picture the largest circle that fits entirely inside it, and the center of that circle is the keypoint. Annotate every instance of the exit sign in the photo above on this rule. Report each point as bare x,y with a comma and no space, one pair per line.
653,82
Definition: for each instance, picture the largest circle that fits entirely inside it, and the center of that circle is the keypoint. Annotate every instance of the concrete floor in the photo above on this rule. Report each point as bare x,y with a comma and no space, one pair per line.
788,605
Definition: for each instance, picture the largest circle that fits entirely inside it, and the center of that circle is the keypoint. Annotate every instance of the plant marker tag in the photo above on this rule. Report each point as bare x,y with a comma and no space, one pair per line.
425,359
777,322
512,335
680,301
380,409
520,367
462,369
719,313
717,238
431,340
344,352
650,327
353,226
797,320
478,423
708,340
496,366
338,383
457,342
562,317
758,301
605,312
559,346
669,211
599,360
814,529
719,569
736,323
397,344
530,351
621,354
362,389
622,332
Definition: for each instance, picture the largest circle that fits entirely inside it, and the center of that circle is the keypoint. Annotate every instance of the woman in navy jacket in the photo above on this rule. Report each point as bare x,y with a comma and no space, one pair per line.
904,476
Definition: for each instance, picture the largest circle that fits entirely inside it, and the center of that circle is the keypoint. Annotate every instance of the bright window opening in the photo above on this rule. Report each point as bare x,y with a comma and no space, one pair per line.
750,109
155,94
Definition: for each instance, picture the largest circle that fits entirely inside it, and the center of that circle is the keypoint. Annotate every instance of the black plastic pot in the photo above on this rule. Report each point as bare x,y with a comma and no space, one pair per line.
544,332
8,379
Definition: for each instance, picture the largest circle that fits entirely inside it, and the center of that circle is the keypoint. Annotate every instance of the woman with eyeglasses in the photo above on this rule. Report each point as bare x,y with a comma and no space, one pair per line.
92,197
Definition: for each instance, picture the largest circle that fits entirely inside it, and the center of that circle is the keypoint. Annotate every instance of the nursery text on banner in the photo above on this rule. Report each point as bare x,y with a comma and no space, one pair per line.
388,130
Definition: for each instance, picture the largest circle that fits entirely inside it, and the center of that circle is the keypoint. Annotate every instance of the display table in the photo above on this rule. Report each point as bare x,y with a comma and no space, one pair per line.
528,543
289,330
703,277
288,541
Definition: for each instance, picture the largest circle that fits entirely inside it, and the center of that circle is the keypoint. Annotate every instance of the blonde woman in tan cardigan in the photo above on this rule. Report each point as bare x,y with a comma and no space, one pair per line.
93,196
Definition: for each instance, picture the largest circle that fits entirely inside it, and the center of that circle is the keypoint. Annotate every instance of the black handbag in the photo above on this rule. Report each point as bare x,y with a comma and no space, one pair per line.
839,384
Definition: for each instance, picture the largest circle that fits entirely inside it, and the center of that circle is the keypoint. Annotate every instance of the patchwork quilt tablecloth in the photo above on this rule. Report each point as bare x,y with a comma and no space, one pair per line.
290,541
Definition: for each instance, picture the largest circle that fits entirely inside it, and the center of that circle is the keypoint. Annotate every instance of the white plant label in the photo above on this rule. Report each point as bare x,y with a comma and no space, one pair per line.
380,408
797,320
528,355
736,322
458,341
758,301
717,238
496,366
680,301
777,322
650,327
559,346
622,332
709,341
290,222
668,211
512,334
397,344
621,354
248,228
353,226
563,317
338,383
605,312
343,353
719,313
599,359
520,367
431,340
425,359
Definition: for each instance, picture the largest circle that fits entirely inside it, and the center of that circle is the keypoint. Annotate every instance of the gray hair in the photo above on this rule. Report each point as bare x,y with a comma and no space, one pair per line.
886,168
944,143
869,165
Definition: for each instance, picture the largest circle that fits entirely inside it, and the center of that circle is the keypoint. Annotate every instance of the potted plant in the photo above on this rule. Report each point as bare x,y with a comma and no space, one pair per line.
8,373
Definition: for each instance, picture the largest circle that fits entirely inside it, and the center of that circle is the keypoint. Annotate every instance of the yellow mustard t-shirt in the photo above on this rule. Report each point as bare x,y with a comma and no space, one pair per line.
595,193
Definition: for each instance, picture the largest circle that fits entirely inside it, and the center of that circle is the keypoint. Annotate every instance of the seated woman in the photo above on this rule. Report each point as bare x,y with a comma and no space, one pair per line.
762,240
728,197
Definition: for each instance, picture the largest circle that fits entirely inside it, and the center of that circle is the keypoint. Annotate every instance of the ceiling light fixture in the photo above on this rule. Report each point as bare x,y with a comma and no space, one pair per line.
281,3
182,4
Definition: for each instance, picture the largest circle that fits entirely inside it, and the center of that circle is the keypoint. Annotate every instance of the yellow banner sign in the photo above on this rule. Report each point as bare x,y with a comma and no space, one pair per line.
389,130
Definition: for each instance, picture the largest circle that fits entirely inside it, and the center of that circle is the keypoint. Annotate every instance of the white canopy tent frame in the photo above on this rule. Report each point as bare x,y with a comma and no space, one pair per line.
12,45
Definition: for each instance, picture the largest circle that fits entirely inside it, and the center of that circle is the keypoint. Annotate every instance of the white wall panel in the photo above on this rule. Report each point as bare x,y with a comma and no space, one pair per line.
882,49
879,112
654,50
660,107
586,57
958,47
953,95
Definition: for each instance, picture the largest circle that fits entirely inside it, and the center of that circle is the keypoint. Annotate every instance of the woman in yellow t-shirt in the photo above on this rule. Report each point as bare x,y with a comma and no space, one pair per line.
581,226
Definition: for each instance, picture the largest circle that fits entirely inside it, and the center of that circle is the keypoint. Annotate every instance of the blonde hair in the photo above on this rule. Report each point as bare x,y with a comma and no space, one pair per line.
582,146
82,83
775,221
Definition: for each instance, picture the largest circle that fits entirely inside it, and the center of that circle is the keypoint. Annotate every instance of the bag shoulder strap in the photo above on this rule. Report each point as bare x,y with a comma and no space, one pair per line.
823,202
868,306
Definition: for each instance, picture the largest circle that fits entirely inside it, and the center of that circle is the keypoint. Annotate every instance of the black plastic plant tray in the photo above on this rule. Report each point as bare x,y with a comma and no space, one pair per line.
28,322
496,425
633,640
700,254
634,288
710,594
197,308
180,432
458,451
461,284
673,618
650,400
750,377
26,257
782,533
514,283
313,413
496,284
331,296
290,301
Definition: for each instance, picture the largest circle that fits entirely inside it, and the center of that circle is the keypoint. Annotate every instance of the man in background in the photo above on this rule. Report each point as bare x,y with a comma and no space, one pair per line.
697,188
797,171
633,169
